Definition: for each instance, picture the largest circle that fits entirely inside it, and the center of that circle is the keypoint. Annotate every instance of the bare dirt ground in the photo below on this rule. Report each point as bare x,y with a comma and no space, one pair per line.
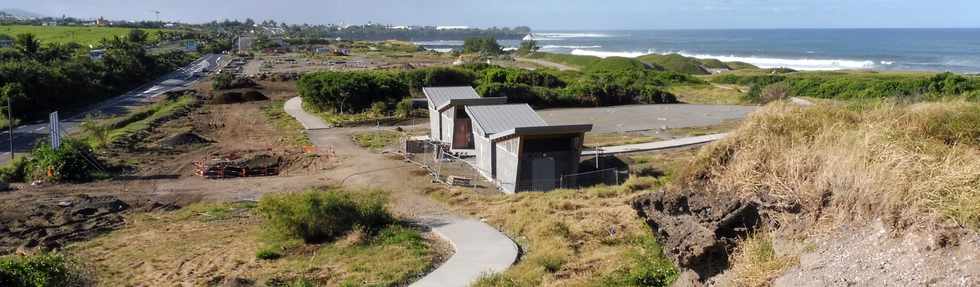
53,216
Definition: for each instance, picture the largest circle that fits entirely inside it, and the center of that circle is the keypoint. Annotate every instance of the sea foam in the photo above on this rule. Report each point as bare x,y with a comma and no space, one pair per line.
803,64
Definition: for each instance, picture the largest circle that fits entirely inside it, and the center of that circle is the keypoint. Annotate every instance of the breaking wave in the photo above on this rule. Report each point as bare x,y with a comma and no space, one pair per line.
803,64
439,43
553,47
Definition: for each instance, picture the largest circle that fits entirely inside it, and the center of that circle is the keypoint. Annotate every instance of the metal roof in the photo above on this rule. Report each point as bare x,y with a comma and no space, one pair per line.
440,96
499,118
541,130
472,102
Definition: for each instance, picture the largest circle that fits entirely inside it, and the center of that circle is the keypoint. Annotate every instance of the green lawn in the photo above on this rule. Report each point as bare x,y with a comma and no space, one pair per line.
65,34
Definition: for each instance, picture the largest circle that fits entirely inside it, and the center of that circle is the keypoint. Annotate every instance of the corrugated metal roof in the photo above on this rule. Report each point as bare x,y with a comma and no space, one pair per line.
441,95
498,118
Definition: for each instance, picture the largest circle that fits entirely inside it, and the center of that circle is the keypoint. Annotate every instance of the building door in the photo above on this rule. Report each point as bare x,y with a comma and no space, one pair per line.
543,174
463,134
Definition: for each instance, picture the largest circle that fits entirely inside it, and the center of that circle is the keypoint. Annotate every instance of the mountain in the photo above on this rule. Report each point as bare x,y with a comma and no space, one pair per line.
20,13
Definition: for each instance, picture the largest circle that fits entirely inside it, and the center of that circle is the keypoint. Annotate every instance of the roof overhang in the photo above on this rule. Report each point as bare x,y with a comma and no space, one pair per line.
472,102
541,130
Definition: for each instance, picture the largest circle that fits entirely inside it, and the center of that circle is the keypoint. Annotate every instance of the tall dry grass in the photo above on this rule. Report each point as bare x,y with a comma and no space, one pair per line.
902,163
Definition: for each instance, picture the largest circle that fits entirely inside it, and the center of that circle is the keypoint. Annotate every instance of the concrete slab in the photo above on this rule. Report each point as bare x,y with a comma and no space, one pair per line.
646,117
650,146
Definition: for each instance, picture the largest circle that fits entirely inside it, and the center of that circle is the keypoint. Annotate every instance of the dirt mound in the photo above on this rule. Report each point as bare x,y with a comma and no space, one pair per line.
698,231
183,139
235,97
51,226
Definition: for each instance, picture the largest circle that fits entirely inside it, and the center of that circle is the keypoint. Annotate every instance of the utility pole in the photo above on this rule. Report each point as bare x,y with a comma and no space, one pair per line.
10,125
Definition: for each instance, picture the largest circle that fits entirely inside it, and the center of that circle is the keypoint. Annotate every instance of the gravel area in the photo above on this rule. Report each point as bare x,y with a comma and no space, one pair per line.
647,117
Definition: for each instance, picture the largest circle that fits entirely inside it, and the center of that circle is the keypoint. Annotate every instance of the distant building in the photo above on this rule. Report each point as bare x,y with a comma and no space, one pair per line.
519,151
448,120
452,27
101,22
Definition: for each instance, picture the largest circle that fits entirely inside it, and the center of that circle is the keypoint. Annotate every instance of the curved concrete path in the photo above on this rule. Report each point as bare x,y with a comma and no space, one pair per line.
479,248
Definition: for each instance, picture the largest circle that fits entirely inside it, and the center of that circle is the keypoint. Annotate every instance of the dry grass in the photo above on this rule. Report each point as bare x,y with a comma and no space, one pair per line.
709,94
755,262
203,244
903,163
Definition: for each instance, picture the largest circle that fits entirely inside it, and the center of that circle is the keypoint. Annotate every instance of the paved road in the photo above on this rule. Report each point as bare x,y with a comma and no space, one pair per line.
658,145
646,117
479,248
26,136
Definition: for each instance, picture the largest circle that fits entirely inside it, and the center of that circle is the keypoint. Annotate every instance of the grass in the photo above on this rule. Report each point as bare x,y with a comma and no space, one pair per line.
906,164
566,59
587,237
376,140
756,263
229,240
65,34
275,112
99,133
709,94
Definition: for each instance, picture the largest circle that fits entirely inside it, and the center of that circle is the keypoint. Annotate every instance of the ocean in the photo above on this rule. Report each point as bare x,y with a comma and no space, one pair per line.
956,50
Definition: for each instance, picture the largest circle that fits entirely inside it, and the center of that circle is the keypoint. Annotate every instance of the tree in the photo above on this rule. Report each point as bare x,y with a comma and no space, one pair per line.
527,47
137,36
27,44
483,45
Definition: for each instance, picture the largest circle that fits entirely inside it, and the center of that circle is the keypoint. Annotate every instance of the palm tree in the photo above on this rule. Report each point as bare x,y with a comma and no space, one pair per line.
27,44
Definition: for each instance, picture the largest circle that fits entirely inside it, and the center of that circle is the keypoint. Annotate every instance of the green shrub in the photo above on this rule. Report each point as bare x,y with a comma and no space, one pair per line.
14,171
73,162
268,254
404,108
322,215
43,270
649,267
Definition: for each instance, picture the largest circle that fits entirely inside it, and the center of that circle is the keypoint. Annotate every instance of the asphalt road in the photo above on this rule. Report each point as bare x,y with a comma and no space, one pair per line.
26,136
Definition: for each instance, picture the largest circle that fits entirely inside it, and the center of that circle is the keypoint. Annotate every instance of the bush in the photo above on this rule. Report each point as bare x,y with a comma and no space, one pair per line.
72,162
775,92
322,215
268,254
43,270
225,81
483,45
404,108
15,171
350,92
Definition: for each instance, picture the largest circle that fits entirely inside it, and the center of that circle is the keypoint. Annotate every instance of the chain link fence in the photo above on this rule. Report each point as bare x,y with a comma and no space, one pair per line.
445,166
609,176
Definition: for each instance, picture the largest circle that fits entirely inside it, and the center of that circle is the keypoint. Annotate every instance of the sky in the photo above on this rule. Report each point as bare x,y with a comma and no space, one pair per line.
541,14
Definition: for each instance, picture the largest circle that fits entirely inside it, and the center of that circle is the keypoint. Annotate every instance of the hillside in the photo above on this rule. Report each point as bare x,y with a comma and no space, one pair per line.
677,63
64,34
780,195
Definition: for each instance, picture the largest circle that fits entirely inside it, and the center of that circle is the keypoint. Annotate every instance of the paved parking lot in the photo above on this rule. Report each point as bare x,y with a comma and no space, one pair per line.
646,117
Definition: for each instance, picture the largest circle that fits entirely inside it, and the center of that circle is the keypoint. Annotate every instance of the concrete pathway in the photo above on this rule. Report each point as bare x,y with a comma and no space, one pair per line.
479,248
294,107
650,146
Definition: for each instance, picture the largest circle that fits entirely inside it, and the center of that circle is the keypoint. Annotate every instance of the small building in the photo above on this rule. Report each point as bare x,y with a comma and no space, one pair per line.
448,121
519,151
96,54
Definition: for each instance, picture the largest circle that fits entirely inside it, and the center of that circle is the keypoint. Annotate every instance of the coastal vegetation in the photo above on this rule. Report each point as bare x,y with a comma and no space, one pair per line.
41,78
41,270
614,81
855,85
482,45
